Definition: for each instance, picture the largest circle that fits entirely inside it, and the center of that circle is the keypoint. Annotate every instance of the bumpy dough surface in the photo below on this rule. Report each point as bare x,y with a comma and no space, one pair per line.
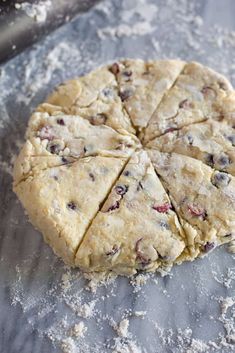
132,167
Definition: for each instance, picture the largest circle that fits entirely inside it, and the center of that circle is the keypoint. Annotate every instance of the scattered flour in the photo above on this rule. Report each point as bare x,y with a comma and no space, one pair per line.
68,345
124,30
145,11
128,346
36,11
78,330
139,313
95,280
86,310
122,328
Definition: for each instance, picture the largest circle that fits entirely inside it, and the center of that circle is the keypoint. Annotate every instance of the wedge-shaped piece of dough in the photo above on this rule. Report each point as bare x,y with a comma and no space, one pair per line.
136,227
62,201
211,141
65,138
193,98
143,84
204,199
94,96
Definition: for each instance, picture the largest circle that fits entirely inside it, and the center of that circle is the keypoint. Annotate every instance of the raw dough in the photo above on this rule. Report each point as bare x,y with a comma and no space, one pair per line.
59,139
204,199
94,97
62,201
193,98
143,84
211,142
136,227
105,202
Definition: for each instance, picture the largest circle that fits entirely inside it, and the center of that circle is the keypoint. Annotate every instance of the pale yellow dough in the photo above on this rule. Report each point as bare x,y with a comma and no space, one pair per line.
193,98
62,201
204,199
132,167
94,97
143,84
60,139
211,142
136,227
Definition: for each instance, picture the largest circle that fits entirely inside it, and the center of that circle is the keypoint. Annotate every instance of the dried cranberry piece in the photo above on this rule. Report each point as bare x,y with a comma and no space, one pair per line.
185,104
114,206
107,92
197,211
64,160
224,161
162,208
209,246
91,175
129,145
113,251
127,173
46,133
71,205
208,92
220,179
190,139
55,148
114,69
121,189
139,256
127,73
60,122
231,138
170,129
164,225
210,160
125,94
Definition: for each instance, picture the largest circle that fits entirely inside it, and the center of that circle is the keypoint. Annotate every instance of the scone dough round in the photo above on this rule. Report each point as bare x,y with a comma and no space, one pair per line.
132,167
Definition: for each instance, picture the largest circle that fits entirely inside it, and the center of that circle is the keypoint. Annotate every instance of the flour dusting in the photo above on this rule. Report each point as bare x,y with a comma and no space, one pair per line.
36,11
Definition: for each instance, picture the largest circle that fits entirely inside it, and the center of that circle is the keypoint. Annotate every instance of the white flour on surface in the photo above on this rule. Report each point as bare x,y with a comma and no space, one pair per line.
36,11
145,12
122,328
123,30
72,334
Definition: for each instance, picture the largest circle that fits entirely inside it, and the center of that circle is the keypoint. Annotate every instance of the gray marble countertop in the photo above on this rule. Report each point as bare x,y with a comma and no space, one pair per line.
40,299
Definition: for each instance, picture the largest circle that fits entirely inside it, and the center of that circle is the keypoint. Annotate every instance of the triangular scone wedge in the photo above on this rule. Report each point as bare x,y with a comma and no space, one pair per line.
211,141
193,98
136,227
204,199
62,201
94,96
143,84
66,138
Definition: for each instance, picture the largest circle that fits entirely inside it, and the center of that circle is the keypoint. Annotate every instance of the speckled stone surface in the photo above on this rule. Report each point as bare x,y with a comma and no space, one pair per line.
31,298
